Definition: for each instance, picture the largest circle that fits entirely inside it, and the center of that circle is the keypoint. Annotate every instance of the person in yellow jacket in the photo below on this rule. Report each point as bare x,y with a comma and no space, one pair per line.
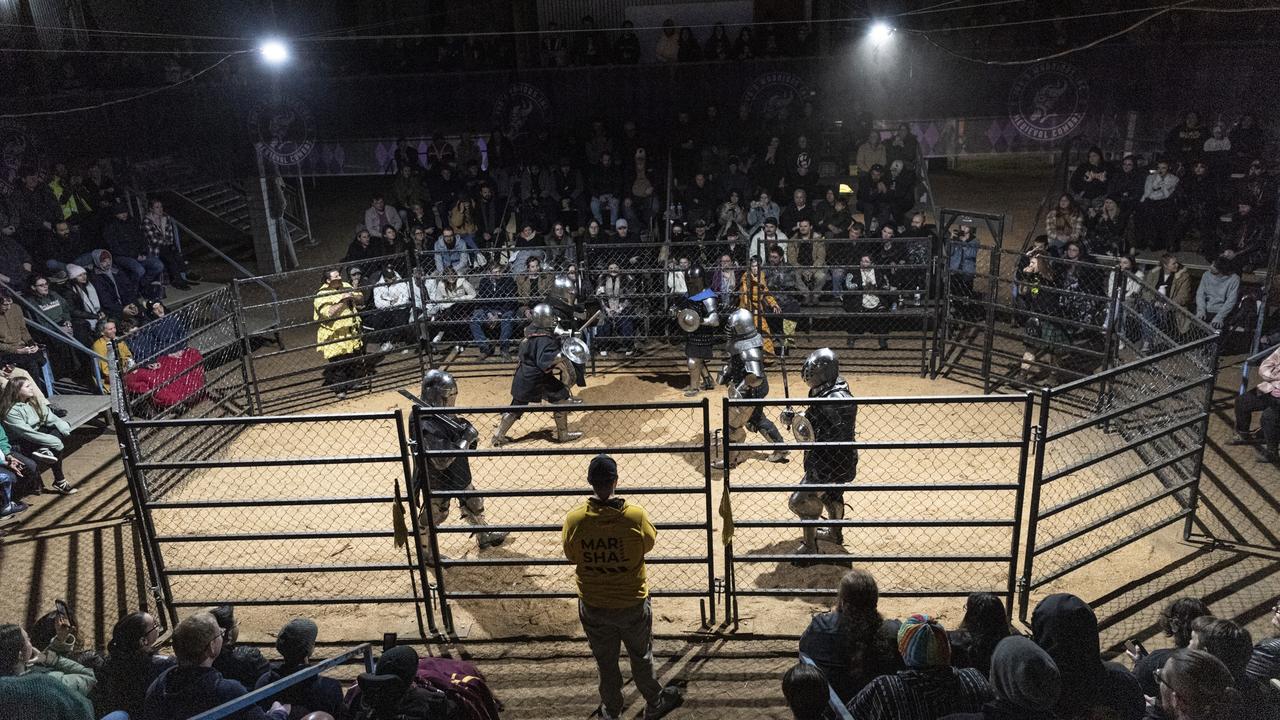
606,538
338,333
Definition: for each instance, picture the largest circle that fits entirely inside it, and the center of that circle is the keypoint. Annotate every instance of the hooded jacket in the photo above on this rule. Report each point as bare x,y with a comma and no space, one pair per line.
124,678
1066,628
188,690
115,288
607,540
1025,680
318,693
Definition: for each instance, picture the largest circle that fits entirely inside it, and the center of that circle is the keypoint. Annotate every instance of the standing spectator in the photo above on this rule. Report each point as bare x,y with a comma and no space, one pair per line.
1042,337
807,693
161,233
132,664
27,695
962,267
1265,397
495,305
866,298
1066,628
1064,223
871,153
1025,680
35,428
1217,294
984,625
606,539
338,338
929,688
853,644
17,347
295,643
1157,211
1175,622
379,215
194,684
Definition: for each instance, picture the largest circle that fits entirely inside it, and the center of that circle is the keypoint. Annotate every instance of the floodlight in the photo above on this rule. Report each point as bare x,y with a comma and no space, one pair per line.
274,52
880,32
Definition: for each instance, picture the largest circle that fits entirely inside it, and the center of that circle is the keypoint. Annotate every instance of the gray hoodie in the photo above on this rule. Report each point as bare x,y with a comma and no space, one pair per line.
1217,296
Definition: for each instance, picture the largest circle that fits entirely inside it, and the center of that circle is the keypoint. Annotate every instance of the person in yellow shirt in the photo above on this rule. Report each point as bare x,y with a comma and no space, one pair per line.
338,335
606,538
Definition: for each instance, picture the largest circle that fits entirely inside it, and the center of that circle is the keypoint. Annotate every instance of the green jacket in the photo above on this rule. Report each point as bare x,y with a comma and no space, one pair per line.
53,662
52,305
41,426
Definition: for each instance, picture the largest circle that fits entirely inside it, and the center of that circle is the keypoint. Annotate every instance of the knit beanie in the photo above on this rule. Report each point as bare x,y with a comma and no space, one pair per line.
923,643
297,639
400,661
74,271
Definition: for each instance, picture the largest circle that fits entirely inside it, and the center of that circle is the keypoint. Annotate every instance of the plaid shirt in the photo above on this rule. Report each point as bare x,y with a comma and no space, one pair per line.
158,238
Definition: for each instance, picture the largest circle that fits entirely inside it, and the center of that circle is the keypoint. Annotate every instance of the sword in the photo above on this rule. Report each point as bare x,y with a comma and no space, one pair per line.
787,412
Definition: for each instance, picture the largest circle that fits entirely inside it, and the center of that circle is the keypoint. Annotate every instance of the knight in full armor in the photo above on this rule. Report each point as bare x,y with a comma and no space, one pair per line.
744,376
698,316
570,314
543,372
824,422
449,472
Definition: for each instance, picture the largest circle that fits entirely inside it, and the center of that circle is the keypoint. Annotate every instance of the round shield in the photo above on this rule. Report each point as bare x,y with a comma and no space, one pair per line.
575,350
688,319
802,428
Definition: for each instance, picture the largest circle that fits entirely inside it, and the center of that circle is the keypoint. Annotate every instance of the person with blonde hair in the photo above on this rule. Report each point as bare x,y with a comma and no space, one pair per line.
35,428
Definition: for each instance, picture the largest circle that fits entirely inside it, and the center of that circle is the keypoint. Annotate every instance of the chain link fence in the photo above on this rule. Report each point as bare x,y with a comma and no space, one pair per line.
527,487
293,510
933,505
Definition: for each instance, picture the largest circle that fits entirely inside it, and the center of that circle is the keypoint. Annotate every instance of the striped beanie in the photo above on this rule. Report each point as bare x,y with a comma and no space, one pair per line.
923,643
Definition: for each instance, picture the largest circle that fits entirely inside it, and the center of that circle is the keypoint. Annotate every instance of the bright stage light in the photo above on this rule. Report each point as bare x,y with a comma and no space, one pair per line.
880,32
274,52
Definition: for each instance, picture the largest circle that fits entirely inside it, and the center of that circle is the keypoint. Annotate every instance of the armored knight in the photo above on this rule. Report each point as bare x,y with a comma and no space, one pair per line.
544,371
744,376
562,298
824,422
697,315
449,472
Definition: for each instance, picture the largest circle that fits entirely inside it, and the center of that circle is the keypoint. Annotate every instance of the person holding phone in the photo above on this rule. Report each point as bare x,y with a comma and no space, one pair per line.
36,429
17,348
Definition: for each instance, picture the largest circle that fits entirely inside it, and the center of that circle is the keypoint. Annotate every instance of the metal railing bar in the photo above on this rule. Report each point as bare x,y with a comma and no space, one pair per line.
1116,484
1112,517
1126,447
1112,547
267,691
1101,418
269,462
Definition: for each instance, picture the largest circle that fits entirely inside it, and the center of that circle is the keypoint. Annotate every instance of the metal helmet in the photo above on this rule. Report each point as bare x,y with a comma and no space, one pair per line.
822,367
742,331
695,279
439,389
564,289
543,317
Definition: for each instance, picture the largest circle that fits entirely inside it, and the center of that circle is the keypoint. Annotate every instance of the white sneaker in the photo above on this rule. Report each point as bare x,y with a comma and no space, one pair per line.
385,346
45,454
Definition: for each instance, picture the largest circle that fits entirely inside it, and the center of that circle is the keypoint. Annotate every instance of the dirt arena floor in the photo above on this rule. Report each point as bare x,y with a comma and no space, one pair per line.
79,547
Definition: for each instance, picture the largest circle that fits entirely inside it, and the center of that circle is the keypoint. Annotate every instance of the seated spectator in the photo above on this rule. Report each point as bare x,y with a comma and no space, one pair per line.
393,305
766,238
35,429
811,259
1108,231
54,632
762,208
805,688
837,218
874,201
132,664
116,290
1064,223
462,219
241,663
19,476
871,153
106,331
26,694
782,279
528,244
1157,210
67,245
17,347
853,643
1127,183
1199,198
929,688
173,379
1264,664
15,261
391,693
1175,622
1088,183
904,146
984,625
604,185
83,303
1216,150
391,241
195,685
447,307
379,215
531,286
162,242
495,306
295,643
1244,239
1066,628
1217,293
724,279
798,209
365,247
866,295
1233,645
129,250
1194,685
408,189
55,319
1025,680
1185,142
902,190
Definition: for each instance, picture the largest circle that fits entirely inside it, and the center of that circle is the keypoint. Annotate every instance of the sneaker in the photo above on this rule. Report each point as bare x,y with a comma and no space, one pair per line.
690,391
57,410
777,456
671,697
45,454
491,539
62,487
629,352
601,713
384,347
604,353
13,508
1268,457
1241,438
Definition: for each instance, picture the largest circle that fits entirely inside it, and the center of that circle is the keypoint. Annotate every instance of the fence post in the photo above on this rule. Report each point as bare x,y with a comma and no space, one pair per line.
928,318
730,581
1041,432
1120,280
415,312
1019,497
252,395
942,324
415,536
1210,384
706,477
146,530
446,615
993,291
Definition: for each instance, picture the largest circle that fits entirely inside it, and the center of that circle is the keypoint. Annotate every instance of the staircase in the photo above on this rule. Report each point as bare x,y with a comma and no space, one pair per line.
225,203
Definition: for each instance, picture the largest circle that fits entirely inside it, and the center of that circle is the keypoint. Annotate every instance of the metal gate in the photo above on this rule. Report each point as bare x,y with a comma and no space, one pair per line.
939,485
285,510
664,462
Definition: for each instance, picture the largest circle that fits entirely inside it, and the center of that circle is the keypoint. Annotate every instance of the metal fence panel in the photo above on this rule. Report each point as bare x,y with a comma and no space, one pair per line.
938,485
663,456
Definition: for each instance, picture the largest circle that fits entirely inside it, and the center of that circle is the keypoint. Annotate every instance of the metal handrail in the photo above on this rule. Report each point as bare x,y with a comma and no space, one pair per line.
231,261
267,691
48,329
